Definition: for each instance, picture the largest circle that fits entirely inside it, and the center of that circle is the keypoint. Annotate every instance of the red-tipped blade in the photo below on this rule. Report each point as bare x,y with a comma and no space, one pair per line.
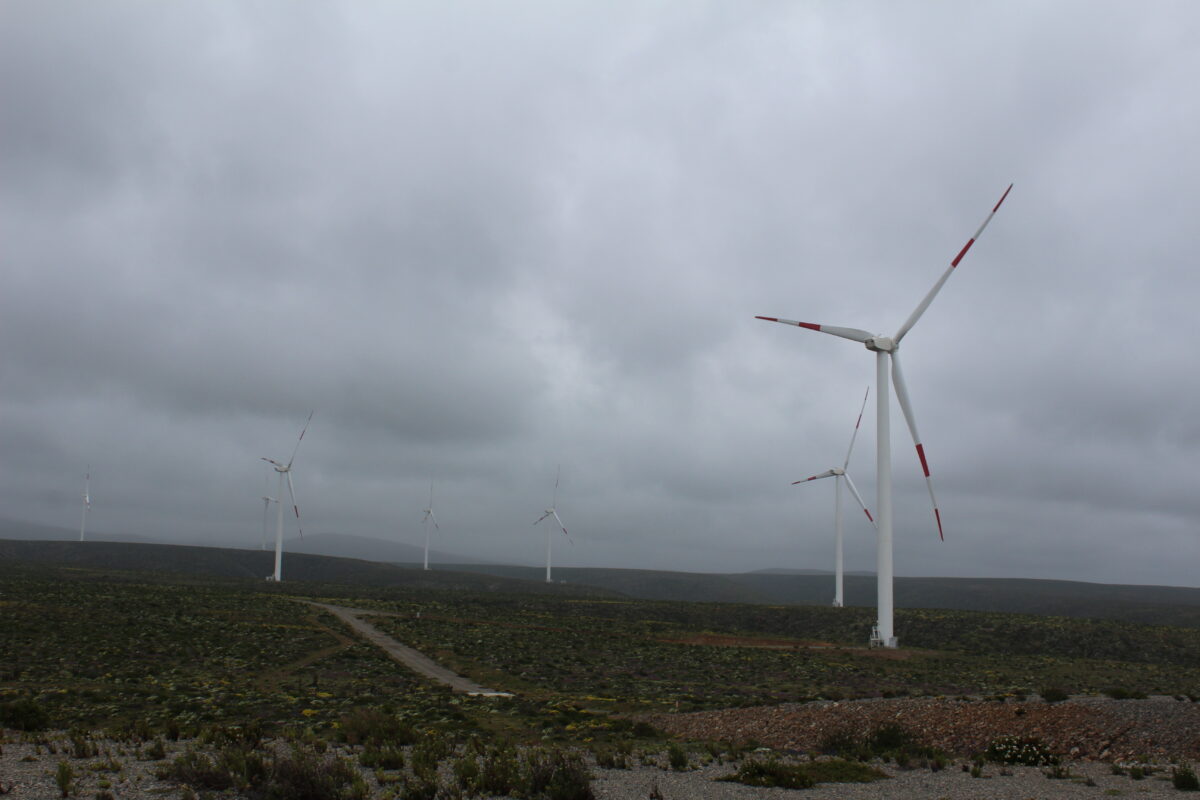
937,287
826,474
303,431
560,524
853,334
854,435
295,508
858,497
906,407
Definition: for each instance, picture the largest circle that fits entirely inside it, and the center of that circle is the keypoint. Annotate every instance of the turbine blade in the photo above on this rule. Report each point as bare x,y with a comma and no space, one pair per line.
557,477
564,527
854,435
303,431
436,527
853,334
271,461
858,497
296,508
906,407
937,287
543,516
826,474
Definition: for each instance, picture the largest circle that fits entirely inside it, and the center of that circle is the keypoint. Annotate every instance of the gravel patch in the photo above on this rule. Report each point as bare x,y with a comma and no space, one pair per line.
1084,728
1014,783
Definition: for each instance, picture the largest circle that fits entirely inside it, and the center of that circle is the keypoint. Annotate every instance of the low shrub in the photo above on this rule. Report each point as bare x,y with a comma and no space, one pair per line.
1053,694
64,778
370,725
1184,779
23,714
772,773
1029,751
499,771
556,775
304,775
376,756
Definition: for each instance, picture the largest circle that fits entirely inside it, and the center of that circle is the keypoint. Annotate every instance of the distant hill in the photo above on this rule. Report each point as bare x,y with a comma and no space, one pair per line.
370,549
17,529
322,544
1165,605
217,562
1168,605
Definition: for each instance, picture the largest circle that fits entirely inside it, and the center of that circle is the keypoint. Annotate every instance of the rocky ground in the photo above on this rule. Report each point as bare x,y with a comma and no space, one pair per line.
1093,733
1083,728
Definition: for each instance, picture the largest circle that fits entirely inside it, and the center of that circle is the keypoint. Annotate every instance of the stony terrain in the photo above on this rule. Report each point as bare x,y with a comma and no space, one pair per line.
1085,728
1093,733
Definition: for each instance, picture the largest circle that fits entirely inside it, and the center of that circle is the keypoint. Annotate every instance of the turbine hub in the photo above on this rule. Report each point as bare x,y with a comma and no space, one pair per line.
838,471
881,344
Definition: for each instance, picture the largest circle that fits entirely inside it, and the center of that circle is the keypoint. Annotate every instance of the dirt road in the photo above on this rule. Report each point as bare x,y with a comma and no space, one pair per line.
413,659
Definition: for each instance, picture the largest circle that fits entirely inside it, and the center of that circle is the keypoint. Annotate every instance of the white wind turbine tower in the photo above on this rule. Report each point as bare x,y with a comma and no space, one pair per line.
266,505
837,473
886,348
552,512
87,500
429,517
286,471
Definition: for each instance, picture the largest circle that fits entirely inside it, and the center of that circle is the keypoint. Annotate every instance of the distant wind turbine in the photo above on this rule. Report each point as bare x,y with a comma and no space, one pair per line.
87,501
837,473
286,471
429,517
887,348
552,512
266,505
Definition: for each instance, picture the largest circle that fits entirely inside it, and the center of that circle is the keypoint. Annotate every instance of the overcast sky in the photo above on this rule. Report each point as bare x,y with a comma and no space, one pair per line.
483,239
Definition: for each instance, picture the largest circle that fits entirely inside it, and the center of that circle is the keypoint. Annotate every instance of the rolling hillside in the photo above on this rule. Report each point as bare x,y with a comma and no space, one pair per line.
1164,605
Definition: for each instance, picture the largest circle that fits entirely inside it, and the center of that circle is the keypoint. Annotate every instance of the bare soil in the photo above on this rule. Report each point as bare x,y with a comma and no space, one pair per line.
1082,728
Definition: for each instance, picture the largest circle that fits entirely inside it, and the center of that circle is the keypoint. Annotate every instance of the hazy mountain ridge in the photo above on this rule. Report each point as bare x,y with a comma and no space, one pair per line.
1144,604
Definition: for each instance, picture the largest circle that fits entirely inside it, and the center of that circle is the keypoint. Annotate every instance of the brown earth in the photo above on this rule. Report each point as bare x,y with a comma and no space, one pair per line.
1092,728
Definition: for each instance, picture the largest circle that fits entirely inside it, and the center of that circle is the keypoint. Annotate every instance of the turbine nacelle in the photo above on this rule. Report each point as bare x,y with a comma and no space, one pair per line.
881,344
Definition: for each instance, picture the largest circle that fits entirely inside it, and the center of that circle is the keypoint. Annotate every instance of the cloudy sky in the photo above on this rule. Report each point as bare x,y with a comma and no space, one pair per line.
483,240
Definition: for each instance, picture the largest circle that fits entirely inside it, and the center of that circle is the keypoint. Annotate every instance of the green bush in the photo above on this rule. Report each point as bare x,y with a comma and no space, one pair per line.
304,775
1184,779
888,738
64,778
1053,694
369,725
772,773
376,756
556,775
677,757
843,744
1029,751
499,771
753,772
23,715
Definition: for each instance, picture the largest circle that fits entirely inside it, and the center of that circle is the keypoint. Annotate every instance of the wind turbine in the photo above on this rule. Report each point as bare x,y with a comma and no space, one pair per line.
429,517
87,500
837,473
286,471
266,505
552,512
886,348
